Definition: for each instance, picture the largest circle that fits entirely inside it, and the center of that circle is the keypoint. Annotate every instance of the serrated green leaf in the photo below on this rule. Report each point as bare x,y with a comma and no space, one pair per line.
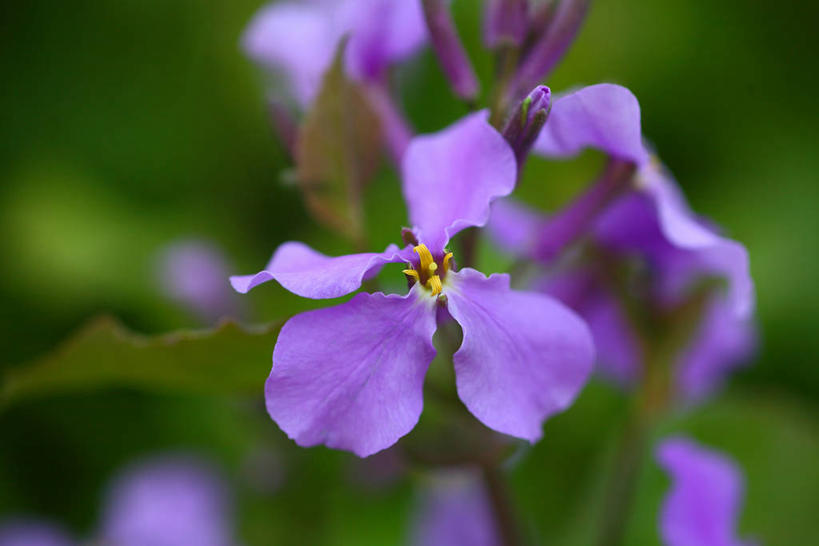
338,150
229,359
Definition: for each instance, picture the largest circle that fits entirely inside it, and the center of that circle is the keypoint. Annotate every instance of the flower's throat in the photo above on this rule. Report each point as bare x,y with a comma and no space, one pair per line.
428,272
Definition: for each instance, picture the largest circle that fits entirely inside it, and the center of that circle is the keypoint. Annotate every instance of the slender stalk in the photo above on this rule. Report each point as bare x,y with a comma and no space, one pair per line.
619,496
500,500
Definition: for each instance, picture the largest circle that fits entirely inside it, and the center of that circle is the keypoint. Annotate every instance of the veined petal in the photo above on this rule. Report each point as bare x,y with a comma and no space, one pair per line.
351,376
703,505
524,355
451,177
311,274
605,117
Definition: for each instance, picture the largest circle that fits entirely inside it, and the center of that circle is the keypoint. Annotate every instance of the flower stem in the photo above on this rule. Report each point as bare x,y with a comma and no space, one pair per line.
619,496
500,500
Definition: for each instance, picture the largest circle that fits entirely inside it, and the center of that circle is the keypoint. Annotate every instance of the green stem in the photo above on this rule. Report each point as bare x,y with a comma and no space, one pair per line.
500,500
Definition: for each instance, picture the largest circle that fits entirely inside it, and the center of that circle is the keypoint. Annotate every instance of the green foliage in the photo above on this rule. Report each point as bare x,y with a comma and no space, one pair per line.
229,359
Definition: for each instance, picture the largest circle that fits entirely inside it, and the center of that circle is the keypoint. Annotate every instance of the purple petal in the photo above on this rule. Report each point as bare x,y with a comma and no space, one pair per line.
455,510
382,32
298,38
722,343
709,252
310,274
618,350
605,117
166,502
30,532
524,356
351,376
515,227
301,38
451,177
702,508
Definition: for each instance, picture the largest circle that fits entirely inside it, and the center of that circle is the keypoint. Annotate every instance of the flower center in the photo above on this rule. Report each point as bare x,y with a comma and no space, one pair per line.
428,272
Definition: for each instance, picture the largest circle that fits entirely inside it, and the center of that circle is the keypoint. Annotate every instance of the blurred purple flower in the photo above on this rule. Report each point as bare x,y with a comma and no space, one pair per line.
31,532
194,273
553,31
351,376
455,510
702,508
505,22
635,209
168,501
300,37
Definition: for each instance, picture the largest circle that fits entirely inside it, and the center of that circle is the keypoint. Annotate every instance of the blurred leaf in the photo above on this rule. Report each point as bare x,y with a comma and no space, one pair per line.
229,359
337,150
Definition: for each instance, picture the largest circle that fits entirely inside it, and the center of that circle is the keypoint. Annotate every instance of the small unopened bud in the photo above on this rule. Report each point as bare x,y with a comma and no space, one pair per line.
449,49
409,237
548,48
505,22
526,121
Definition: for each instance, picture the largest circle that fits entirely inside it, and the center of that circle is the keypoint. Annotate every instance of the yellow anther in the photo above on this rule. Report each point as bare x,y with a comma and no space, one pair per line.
447,258
434,284
412,273
426,258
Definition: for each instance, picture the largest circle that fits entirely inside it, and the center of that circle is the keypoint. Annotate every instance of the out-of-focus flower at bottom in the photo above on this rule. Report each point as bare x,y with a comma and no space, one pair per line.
170,500
32,532
702,508
454,509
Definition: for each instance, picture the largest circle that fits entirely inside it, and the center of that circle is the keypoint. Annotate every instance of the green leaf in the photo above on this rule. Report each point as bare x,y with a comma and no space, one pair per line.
338,150
229,359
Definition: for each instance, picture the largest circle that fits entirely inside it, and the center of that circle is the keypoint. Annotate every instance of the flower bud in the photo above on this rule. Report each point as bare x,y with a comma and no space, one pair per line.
548,49
505,22
449,49
526,121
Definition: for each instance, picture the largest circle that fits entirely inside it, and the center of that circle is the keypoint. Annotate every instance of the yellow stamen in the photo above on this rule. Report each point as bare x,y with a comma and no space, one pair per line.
426,258
447,258
412,273
434,284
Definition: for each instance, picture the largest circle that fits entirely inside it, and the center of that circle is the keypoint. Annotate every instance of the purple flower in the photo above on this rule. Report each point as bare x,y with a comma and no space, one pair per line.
351,376
30,532
702,508
454,509
193,273
168,501
300,38
634,210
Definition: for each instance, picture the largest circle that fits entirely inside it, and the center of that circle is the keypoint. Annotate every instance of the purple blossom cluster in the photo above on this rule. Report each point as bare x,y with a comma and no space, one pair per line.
625,277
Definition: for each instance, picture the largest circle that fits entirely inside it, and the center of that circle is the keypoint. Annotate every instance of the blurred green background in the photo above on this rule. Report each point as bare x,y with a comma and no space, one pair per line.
127,125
